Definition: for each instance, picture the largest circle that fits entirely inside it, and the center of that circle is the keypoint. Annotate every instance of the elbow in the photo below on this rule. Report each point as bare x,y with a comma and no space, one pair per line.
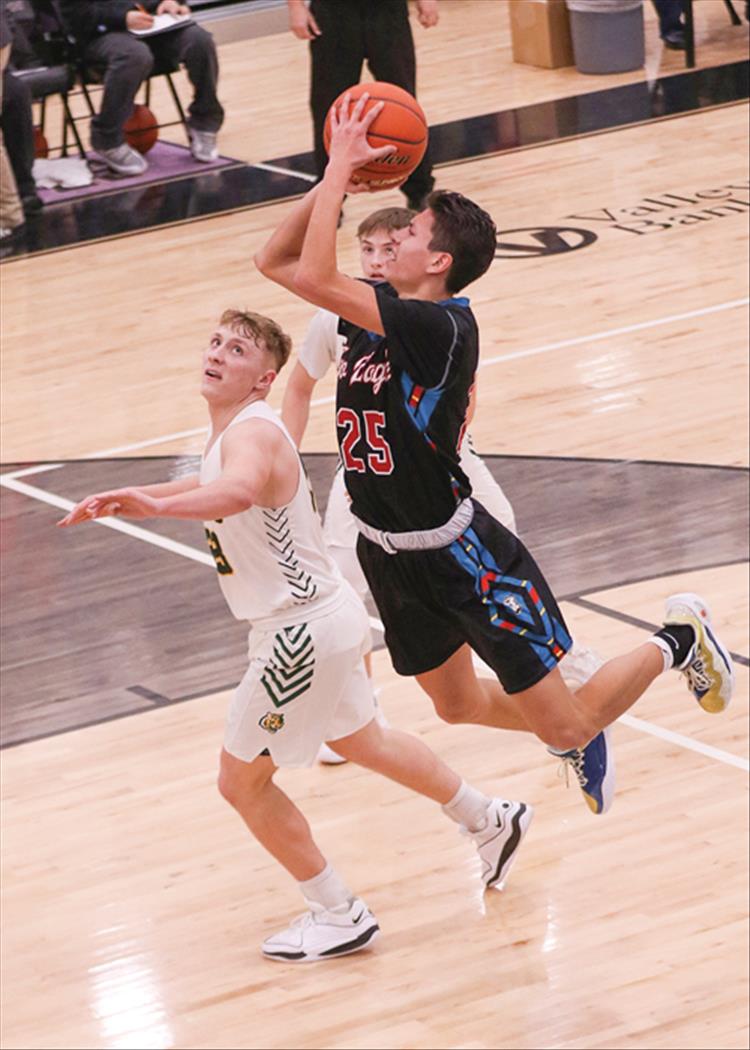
261,262
306,281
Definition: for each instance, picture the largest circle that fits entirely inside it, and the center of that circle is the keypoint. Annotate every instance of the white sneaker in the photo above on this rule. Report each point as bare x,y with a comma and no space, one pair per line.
123,159
498,843
321,934
203,145
708,667
328,757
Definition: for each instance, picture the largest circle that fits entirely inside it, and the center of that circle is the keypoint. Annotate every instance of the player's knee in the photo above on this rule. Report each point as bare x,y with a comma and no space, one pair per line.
564,738
455,710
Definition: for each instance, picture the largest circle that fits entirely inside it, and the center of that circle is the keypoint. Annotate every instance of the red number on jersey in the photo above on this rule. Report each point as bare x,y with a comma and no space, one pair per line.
379,457
347,417
380,460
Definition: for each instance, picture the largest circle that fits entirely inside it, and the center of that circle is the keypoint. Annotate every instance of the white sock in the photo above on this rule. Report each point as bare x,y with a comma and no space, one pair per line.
328,889
666,651
468,807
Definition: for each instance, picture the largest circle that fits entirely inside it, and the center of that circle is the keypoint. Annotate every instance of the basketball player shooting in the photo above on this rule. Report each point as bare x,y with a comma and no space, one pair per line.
446,576
306,681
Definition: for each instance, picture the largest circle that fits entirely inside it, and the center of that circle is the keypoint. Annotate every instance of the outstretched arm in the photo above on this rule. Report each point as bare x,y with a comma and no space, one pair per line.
295,408
248,454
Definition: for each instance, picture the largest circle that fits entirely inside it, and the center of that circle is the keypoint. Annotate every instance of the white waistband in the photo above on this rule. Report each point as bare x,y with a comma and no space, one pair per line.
423,539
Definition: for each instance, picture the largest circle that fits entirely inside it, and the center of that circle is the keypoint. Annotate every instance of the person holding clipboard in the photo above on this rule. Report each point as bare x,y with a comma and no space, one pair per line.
122,41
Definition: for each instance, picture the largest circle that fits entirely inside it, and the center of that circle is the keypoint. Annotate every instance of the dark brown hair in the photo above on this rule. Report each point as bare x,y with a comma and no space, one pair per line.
466,232
387,219
263,330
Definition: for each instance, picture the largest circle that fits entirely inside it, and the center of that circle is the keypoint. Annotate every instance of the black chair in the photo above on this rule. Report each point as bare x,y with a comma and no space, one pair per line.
50,69
690,28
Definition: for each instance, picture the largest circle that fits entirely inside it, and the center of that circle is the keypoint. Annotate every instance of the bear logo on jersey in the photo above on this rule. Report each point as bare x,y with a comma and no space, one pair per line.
271,722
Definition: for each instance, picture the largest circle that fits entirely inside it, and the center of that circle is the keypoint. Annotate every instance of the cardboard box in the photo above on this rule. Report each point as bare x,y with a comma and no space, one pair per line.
540,31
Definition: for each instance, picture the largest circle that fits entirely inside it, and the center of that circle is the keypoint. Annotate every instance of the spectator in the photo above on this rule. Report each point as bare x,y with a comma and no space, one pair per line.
671,26
102,30
11,211
16,116
342,36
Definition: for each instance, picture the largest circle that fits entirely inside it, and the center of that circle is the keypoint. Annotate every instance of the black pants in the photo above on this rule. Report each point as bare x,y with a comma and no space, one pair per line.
352,32
127,61
18,131
670,16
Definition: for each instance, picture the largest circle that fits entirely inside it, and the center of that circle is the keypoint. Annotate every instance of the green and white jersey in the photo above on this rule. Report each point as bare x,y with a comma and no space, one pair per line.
273,565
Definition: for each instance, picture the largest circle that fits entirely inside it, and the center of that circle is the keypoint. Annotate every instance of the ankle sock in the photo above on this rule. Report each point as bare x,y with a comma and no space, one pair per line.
675,641
327,889
468,807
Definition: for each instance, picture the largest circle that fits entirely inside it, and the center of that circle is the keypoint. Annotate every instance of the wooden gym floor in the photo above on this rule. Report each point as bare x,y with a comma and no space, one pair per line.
613,409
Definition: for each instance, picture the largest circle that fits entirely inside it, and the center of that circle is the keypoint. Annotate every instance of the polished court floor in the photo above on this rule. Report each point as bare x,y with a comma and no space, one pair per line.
612,409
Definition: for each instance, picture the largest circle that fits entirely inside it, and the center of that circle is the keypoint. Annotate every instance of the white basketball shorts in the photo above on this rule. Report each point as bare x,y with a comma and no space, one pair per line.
305,684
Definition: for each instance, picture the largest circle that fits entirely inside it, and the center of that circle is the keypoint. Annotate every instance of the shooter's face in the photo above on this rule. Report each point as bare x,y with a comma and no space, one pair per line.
413,259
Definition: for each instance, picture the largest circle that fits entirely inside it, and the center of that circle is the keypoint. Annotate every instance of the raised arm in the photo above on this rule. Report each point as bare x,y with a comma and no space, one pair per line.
317,276
280,255
295,408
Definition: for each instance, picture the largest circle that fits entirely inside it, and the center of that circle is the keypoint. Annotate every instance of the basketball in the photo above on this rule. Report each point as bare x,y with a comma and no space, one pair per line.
400,123
141,131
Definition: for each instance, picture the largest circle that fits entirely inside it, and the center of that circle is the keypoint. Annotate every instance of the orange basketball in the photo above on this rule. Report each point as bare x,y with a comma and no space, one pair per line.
41,148
401,123
141,131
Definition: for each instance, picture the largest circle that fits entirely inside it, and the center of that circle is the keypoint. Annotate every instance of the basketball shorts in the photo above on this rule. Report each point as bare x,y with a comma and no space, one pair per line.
484,590
305,684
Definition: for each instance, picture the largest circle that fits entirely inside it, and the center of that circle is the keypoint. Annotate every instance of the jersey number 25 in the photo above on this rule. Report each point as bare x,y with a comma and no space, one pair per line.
377,450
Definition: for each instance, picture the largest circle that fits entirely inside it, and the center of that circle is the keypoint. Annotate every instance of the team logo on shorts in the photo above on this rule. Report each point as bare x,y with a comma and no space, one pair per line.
512,603
271,722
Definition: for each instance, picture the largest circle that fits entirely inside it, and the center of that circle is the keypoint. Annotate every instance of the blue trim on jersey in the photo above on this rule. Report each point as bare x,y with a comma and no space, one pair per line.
421,415
459,300
510,603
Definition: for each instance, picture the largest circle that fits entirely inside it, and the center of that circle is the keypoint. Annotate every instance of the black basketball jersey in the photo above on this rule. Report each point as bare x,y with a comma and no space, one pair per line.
401,403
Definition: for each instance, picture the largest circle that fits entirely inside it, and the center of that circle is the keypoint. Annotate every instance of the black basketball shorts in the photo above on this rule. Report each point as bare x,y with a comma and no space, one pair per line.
484,589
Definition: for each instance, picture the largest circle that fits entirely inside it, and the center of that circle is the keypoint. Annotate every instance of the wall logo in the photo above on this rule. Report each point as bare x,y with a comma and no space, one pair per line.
531,242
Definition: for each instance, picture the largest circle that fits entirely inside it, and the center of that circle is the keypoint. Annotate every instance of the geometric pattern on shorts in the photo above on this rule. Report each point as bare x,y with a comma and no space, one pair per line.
512,605
289,670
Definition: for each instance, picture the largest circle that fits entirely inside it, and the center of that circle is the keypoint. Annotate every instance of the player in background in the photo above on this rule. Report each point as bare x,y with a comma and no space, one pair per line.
321,348
306,681
446,577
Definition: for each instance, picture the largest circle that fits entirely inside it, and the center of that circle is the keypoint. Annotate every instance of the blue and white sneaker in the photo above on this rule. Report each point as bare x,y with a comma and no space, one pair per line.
708,666
594,768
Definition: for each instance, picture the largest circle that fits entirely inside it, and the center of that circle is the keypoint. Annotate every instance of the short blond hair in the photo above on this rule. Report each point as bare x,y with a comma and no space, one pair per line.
388,219
263,330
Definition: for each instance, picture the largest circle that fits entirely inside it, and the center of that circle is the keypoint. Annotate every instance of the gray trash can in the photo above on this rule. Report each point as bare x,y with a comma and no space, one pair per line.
607,35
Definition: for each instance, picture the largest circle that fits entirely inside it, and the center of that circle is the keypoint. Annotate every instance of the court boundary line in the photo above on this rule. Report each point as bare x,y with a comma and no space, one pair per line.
729,304
185,551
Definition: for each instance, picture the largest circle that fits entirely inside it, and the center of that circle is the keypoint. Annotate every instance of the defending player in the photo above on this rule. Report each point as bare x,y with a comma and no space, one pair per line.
305,682
446,577
321,348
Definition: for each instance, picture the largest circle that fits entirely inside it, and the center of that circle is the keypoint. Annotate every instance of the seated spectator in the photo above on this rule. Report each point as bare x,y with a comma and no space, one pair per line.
11,212
16,115
101,28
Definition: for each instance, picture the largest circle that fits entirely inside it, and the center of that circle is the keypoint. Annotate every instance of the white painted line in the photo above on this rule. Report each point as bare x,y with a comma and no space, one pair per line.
685,741
285,171
654,730
38,469
546,349
598,336
111,523
119,449
205,559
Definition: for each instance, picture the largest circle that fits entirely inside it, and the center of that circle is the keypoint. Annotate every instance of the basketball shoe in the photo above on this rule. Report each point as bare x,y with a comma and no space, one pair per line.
499,842
594,764
708,666
321,934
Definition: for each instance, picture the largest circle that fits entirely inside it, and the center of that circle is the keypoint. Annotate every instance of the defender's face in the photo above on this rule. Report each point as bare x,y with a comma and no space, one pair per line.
376,250
413,254
234,367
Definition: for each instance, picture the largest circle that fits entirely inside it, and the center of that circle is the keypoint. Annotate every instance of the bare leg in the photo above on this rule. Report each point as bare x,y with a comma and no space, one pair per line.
400,757
270,815
561,718
368,663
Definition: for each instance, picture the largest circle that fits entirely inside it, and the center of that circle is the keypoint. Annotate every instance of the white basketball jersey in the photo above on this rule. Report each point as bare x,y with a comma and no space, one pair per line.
322,345
272,561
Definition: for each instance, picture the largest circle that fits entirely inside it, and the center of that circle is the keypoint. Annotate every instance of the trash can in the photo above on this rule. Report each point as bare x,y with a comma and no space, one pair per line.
607,35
